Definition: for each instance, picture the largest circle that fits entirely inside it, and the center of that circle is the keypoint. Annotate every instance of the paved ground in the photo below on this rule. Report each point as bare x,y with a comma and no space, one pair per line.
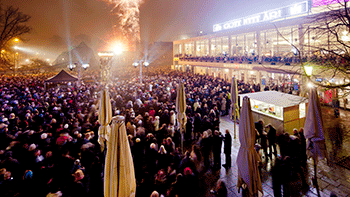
331,178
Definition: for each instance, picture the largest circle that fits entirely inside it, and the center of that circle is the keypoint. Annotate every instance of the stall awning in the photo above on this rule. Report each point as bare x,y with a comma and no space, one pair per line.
276,98
62,76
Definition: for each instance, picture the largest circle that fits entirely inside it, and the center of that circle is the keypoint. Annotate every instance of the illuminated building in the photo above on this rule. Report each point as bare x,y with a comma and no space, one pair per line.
260,48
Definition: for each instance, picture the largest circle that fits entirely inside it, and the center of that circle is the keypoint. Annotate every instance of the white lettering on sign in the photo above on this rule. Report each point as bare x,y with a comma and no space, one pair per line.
284,12
296,9
217,28
251,20
233,24
272,15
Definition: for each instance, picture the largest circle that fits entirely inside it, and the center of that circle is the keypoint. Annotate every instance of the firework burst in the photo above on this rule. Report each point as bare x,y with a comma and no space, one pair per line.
128,12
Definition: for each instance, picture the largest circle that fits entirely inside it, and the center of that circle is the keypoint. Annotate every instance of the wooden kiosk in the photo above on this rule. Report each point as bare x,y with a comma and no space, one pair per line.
284,111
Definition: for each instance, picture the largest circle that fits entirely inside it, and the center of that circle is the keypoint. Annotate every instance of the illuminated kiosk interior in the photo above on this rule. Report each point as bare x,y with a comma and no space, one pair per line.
284,111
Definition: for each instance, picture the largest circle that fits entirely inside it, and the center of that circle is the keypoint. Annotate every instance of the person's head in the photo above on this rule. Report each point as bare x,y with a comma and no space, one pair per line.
153,146
169,140
301,130
37,152
162,150
261,122
205,134
227,131
79,175
138,140
221,189
48,154
216,132
154,194
187,171
295,131
32,147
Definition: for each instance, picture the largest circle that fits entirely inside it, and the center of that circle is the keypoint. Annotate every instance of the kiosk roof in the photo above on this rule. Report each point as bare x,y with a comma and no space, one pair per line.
276,98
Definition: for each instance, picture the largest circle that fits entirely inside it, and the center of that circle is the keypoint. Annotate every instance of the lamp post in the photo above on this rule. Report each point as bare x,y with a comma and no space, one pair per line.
79,66
308,70
105,66
140,63
307,84
15,59
3,51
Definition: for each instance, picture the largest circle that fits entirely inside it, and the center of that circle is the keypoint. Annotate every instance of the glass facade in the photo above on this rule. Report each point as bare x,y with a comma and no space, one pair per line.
267,43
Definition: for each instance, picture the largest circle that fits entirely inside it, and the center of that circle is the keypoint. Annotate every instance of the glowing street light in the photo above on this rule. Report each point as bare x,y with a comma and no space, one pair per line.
310,85
16,40
145,63
71,66
85,66
2,52
308,70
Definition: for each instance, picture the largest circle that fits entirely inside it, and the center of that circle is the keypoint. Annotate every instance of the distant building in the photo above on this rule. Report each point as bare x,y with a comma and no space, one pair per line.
80,54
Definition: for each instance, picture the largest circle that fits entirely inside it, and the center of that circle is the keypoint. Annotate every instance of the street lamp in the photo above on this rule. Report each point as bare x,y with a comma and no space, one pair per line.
105,66
71,66
85,66
144,63
3,51
308,70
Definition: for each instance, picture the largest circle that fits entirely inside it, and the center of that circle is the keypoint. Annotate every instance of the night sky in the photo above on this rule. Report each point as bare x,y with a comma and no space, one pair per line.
56,23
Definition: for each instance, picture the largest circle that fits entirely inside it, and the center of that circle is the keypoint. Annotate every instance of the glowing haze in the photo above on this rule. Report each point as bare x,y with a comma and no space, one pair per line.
128,12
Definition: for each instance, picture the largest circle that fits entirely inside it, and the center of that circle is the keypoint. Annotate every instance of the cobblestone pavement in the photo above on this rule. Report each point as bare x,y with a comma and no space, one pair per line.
331,178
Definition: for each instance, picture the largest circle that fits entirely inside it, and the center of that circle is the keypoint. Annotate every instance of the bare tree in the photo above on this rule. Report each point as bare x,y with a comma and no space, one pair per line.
325,46
13,23
329,45
36,66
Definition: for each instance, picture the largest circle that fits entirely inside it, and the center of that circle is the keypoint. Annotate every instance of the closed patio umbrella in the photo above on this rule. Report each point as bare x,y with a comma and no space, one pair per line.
248,158
314,132
181,109
104,118
234,111
119,174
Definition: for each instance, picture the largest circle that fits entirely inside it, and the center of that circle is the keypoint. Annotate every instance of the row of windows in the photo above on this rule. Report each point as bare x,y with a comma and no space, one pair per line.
264,43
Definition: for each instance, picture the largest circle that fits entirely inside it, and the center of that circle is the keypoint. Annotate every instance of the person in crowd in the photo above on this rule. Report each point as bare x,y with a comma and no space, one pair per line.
220,189
227,149
271,136
206,148
217,146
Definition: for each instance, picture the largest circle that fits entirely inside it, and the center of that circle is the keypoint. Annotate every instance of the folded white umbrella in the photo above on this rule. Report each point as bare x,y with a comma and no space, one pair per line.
181,109
104,117
314,133
119,174
314,129
234,111
234,99
248,158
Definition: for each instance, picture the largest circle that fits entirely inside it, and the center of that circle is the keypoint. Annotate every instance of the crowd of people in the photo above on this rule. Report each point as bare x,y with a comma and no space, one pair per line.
286,60
48,137
243,59
290,168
